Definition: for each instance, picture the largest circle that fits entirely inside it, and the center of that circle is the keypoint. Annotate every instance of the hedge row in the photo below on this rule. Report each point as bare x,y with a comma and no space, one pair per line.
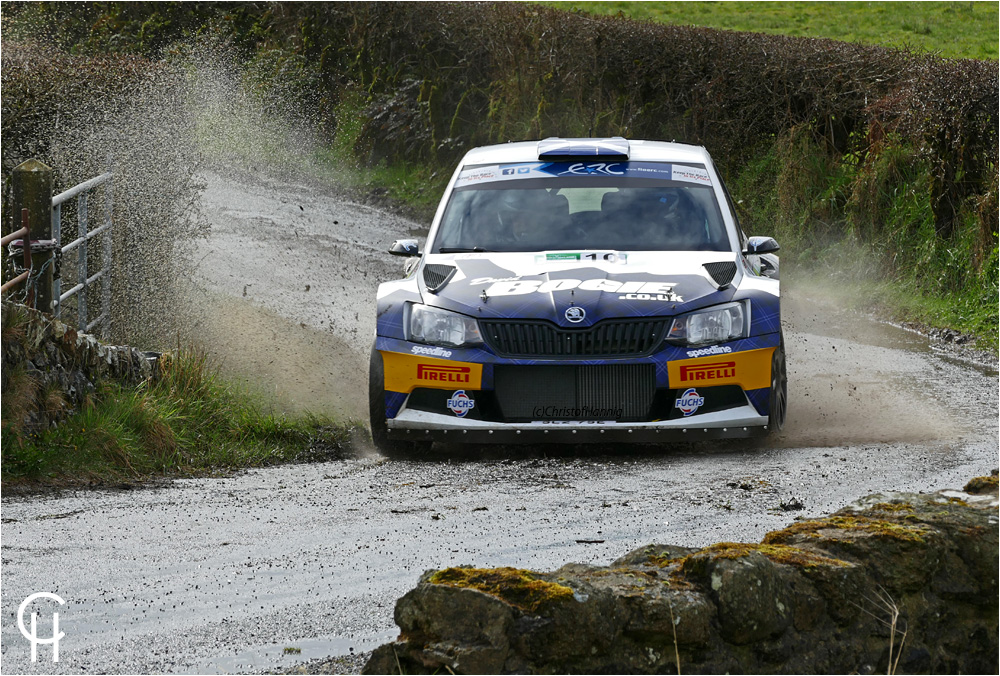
449,76
46,90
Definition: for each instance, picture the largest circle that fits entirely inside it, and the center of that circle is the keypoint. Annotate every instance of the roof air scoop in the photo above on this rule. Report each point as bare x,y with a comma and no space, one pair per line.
722,273
436,276
555,149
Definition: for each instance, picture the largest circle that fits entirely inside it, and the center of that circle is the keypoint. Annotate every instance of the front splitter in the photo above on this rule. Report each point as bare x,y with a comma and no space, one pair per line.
737,423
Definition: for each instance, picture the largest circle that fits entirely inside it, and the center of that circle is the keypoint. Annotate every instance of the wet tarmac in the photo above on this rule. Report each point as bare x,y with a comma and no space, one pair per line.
222,575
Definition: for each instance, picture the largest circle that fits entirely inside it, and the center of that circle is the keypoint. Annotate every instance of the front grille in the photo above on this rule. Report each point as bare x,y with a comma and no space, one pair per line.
614,338
621,392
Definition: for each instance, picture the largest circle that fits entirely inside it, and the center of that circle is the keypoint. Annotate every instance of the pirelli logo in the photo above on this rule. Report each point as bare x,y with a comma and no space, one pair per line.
443,374
750,369
406,372
711,371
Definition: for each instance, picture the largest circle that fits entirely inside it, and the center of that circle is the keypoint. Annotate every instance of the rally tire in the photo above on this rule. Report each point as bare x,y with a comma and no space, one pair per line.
376,415
778,402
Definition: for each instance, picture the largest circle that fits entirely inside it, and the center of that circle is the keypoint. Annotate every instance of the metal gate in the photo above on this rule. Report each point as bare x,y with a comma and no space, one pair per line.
42,275
81,192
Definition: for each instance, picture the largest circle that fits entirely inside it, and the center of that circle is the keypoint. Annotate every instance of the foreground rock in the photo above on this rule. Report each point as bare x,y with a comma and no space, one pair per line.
899,582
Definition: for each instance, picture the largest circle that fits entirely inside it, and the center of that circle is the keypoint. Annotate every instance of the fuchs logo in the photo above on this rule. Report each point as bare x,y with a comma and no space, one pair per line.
461,403
443,374
712,371
575,314
706,351
689,402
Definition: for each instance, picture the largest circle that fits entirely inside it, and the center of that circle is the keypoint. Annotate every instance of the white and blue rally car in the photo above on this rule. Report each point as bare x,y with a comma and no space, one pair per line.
577,290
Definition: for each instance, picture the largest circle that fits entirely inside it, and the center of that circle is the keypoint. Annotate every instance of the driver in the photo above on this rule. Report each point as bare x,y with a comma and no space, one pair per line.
676,221
530,219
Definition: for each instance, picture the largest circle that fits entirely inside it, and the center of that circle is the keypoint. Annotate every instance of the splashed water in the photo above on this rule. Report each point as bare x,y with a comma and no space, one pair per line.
156,125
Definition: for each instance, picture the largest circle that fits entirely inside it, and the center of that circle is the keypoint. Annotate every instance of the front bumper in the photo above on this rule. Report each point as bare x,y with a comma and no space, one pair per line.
471,395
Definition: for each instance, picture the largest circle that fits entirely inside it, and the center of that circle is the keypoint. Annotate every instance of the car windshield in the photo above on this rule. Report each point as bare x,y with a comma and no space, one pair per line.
547,206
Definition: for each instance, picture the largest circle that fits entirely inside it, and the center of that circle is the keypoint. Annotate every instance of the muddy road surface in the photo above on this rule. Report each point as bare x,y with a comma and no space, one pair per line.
223,575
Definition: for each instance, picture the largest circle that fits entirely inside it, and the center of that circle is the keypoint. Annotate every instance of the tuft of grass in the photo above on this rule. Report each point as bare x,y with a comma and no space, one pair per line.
20,389
13,325
885,603
188,421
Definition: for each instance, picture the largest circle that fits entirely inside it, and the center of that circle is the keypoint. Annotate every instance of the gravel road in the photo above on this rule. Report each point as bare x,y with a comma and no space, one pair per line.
222,575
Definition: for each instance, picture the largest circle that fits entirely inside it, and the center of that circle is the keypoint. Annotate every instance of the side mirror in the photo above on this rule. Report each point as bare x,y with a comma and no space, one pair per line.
761,245
405,247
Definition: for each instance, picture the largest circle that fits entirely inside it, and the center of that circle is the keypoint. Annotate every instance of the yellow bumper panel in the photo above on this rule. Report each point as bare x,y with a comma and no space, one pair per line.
751,370
405,372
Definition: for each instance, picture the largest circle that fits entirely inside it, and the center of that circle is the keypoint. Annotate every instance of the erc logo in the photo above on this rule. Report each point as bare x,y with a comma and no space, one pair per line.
443,374
710,371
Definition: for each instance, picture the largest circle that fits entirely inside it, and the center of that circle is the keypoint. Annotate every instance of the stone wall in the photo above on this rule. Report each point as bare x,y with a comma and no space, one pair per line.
50,369
897,583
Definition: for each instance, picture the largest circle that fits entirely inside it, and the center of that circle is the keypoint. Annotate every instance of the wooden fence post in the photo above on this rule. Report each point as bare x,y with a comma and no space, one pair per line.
31,188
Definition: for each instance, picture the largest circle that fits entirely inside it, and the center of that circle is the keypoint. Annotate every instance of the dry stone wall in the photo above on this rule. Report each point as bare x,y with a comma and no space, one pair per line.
900,582
53,369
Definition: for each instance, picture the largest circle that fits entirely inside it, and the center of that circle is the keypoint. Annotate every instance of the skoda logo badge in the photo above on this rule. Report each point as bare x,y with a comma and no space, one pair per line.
575,314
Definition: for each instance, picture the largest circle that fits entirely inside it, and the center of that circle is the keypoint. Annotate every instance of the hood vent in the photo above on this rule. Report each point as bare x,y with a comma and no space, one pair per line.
722,273
436,276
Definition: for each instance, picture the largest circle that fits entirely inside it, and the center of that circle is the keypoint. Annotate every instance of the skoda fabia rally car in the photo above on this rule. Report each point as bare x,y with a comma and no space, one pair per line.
576,290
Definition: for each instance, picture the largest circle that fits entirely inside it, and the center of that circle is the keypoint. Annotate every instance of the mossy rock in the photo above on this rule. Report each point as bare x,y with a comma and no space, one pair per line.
848,525
982,484
520,588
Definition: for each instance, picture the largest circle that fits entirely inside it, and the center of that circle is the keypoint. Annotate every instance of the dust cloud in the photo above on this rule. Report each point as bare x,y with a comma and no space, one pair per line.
290,365
852,380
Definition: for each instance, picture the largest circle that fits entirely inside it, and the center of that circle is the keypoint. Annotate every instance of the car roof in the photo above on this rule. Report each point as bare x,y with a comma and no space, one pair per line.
639,151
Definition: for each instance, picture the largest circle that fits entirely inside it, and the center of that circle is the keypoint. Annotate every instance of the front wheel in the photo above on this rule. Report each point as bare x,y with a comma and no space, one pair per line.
376,414
778,403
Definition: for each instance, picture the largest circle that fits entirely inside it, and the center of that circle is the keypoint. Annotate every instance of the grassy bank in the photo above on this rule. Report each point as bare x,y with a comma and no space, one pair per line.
958,30
189,422
869,228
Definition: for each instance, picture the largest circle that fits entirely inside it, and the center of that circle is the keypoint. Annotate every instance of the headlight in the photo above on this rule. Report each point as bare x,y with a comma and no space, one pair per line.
434,326
712,325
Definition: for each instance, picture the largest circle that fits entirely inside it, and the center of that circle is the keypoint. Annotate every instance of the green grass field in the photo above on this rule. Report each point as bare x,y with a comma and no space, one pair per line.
967,30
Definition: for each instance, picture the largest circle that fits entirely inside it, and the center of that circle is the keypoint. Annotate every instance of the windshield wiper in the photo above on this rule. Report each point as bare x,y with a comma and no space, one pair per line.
460,249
